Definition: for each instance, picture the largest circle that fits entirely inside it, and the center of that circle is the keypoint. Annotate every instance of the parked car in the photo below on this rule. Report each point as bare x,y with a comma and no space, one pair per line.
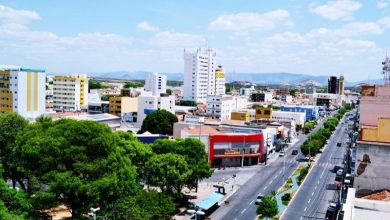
281,154
258,199
336,168
294,152
339,144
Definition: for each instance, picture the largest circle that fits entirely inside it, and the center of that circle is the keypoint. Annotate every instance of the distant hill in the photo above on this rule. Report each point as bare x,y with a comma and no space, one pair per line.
258,78
309,82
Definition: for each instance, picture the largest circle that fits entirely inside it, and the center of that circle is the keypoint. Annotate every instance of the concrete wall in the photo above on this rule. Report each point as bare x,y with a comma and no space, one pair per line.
381,133
371,167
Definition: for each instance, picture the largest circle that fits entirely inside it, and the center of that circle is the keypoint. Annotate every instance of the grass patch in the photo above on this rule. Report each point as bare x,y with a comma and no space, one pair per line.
302,174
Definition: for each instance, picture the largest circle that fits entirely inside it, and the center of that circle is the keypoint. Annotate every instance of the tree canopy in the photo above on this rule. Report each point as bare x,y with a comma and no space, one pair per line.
268,207
83,164
159,122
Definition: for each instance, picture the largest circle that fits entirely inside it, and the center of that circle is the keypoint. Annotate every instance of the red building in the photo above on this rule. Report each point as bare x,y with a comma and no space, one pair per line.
232,150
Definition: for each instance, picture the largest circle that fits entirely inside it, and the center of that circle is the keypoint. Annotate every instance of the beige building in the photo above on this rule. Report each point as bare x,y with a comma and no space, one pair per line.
120,105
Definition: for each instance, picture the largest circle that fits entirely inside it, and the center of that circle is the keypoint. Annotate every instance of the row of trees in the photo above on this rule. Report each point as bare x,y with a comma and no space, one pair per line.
83,164
316,141
309,126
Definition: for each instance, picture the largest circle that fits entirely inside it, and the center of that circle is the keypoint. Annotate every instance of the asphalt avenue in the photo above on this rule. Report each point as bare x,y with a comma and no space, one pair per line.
267,179
312,199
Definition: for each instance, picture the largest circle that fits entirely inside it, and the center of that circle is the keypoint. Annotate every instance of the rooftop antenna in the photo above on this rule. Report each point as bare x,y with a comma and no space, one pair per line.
386,70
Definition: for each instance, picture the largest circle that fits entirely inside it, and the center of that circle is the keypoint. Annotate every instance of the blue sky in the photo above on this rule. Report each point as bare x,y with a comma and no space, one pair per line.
315,37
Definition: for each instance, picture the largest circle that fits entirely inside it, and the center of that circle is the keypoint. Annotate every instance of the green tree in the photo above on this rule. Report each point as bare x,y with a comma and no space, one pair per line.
187,103
169,172
133,84
148,205
137,152
293,91
268,207
169,91
159,122
82,165
14,204
93,84
194,153
11,124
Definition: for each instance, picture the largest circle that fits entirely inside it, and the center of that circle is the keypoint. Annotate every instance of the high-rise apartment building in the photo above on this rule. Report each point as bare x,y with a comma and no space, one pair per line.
156,83
219,81
341,85
70,92
23,91
333,85
200,71
336,85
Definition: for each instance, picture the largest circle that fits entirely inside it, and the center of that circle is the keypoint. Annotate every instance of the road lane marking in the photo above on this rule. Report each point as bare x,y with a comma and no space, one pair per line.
322,173
312,193
304,210
265,187
243,211
251,202
309,201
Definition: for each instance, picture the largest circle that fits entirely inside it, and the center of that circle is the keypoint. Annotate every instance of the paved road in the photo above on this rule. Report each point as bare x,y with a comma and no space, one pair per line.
312,199
267,178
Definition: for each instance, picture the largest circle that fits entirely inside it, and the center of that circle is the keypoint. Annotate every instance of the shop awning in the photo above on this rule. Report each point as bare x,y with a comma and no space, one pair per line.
210,201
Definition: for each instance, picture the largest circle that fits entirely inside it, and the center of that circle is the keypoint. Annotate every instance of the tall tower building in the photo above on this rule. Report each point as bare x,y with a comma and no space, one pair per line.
23,91
199,74
70,93
219,81
156,83
333,84
341,85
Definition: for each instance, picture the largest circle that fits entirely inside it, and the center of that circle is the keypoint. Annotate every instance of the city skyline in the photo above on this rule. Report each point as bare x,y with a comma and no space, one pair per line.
318,38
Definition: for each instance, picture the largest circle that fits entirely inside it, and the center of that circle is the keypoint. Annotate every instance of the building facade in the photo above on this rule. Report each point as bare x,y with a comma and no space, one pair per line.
147,103
156,83
70,93
124,107
200,75
262,97
311,112
221,106
23,91
336,85
234,150
219,81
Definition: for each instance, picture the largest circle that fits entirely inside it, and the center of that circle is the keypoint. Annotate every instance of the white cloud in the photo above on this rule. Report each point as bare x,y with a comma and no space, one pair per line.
382,4
10,15
385,21
338,9
145,26
246,21
177,40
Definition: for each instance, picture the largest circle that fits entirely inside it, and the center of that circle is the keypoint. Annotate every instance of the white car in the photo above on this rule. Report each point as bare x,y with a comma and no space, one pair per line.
281,154
340,172
258,199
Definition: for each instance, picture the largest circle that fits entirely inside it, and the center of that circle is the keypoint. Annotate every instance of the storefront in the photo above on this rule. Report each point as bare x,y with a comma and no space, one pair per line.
234,150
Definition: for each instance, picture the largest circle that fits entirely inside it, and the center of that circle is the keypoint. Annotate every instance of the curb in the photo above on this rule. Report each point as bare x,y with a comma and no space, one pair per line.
228,196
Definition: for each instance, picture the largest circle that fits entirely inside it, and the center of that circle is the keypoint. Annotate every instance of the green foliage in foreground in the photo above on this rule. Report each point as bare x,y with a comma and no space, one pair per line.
83,164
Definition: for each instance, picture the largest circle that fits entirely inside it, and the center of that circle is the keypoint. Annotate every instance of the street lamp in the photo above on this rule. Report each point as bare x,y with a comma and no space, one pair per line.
94,210
196,213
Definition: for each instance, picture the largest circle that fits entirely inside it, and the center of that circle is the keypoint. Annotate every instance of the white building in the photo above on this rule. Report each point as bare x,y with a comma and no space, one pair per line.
70,92
249,91
220,81
298,117
286,98
200,75
156,83
23,91
147,103
221,106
